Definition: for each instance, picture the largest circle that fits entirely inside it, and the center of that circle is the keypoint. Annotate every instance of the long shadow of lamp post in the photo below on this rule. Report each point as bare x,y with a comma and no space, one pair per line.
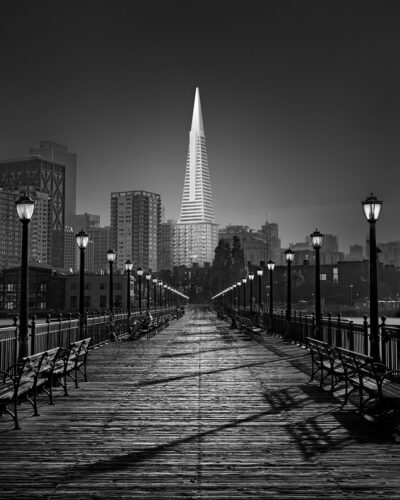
154,280
271,267
128,267
139,272
111,254
260,273
148,278
251,278
82,240
25,207
289,259
317,239
372,209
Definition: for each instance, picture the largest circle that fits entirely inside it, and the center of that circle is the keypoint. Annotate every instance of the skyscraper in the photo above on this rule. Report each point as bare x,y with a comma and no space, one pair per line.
135,228
196,234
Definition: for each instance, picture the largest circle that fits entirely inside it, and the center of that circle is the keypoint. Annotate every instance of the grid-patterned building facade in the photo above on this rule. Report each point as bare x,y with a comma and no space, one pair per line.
135,228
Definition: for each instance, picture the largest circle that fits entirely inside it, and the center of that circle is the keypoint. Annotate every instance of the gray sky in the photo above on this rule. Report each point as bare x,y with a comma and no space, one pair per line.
300,103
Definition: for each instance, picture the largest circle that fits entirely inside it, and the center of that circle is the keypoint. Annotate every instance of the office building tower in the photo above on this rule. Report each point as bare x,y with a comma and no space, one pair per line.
59,154
37,174
135,228
196,232
166,249
11,233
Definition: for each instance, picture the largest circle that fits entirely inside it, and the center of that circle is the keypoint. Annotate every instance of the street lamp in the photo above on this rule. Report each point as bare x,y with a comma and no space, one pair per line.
111,254
289,258
317,239
160,284
238,284
165,297
271,266
154,280
140,274
260,273
251,277
244,281
148,278
234,297
25,207
372,209
128,267
82,240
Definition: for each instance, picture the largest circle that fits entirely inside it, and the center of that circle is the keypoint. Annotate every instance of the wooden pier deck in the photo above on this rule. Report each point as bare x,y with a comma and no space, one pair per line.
198,411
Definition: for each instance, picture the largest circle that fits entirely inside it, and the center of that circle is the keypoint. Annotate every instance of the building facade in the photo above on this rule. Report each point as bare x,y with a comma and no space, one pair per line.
39,175
135,228
196,232
59,154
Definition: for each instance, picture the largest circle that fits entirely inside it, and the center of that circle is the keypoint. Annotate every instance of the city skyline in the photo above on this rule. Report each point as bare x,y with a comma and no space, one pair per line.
301,105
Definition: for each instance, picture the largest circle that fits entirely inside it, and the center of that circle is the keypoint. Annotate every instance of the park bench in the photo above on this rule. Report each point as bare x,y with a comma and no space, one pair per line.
247,325
358,372
21,382
72,361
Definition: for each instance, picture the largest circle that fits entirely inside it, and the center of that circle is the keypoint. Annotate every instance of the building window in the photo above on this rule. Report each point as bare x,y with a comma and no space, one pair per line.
335,274
88,286
73,301
87,301
103,286
103,301
72,286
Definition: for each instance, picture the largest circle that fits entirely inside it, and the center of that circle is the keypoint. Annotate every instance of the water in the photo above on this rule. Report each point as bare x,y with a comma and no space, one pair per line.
388,322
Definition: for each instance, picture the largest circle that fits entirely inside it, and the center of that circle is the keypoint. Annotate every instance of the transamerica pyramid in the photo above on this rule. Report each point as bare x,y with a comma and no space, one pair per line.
197,204
196,234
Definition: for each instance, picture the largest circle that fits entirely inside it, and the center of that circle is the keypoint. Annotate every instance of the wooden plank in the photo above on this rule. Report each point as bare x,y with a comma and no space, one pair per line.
198,411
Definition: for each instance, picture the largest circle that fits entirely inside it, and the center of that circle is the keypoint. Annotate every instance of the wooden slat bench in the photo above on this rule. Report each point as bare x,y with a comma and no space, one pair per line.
247,325
72,362
23,381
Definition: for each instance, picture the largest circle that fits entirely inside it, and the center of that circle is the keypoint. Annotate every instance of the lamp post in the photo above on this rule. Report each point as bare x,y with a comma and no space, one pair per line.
260,273
165,297
140,274
148,278
244,281
271,266
111,254
317,238
25,207
82,240
160,284
234,297
372,209
238,284
251,278
154,280
128,267
289,258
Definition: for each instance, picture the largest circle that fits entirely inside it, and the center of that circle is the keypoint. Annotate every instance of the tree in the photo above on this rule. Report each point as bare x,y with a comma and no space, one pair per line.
238,264
221,269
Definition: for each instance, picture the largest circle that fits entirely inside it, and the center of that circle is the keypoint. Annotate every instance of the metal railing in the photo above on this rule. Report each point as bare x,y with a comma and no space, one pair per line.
336,331
64,329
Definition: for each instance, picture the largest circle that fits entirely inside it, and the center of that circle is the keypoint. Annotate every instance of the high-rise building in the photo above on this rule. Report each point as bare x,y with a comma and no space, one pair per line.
135,228
59,154
86,221
40,175
101,243
356,252
166,249
196,233
70,249
10,228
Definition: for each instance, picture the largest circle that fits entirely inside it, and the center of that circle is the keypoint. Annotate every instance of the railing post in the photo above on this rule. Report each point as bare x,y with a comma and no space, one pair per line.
366,340
350,334
330,329
16,343
339,331
383,339
33,333
48,320
59,328
313,325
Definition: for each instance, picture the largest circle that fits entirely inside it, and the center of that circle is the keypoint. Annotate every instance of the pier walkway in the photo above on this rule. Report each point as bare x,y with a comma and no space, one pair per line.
198,411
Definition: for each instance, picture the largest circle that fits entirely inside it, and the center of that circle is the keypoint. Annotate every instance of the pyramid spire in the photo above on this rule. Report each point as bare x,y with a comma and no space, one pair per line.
197,119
